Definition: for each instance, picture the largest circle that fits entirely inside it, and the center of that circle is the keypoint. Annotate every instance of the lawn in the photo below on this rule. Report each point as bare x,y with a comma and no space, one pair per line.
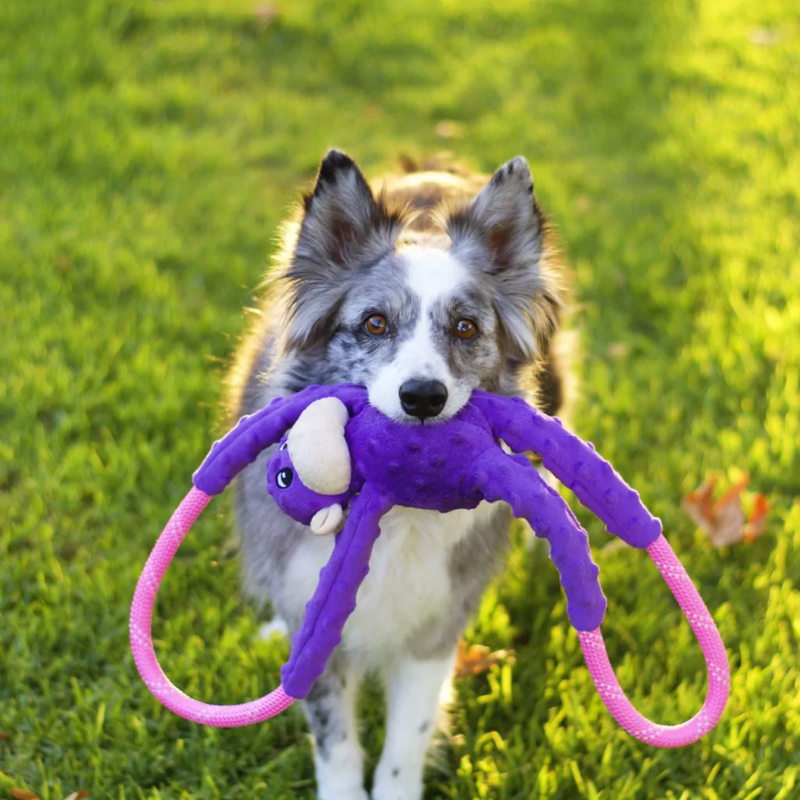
148,151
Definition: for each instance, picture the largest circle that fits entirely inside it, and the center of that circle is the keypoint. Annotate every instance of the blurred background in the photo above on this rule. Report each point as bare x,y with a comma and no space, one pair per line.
148,152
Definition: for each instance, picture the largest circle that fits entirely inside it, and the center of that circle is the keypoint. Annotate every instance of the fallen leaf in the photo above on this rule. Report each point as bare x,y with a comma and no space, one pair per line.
372,111
448,129
757,521
23,794
724,519
698,504
619,350
78,795
266,12
765,37
476,658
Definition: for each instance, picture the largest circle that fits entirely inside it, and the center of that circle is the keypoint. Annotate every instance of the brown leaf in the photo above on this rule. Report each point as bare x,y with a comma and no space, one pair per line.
448,129
23,794
476,658
78,795
619,350
757,521
765,37
724,519
267,12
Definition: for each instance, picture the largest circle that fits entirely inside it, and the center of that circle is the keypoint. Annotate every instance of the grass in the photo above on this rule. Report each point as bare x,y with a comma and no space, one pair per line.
148,151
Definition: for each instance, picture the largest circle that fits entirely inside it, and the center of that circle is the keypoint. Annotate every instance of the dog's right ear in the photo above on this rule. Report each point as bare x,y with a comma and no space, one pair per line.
343,228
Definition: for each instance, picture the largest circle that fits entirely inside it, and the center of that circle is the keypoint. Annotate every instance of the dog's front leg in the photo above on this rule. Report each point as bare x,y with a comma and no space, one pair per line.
413,692
331,711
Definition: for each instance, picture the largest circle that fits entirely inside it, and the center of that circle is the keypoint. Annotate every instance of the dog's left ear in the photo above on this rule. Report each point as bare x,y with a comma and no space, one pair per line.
503,220
502,234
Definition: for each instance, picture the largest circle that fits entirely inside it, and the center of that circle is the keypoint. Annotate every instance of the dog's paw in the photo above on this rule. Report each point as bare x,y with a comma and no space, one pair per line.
342,794
395,784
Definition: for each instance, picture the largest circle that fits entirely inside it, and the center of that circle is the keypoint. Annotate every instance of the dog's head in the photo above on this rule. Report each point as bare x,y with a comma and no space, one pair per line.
420,324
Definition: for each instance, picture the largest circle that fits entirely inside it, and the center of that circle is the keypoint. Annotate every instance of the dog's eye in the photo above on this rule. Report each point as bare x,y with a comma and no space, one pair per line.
375,325
466,329
284,478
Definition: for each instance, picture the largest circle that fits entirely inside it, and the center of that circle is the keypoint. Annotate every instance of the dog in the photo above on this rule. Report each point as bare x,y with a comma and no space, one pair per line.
422,287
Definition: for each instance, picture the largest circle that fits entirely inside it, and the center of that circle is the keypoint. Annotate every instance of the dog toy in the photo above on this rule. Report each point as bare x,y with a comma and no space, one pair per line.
343,457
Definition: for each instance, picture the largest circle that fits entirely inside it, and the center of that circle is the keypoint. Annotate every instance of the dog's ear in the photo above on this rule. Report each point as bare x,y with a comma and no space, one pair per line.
502,234
343,228
343,224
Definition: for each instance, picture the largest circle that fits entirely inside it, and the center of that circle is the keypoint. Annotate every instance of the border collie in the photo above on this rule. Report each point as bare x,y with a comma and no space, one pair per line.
433,284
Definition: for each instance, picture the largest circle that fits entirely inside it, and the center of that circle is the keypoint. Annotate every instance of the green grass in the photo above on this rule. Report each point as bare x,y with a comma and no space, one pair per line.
148,151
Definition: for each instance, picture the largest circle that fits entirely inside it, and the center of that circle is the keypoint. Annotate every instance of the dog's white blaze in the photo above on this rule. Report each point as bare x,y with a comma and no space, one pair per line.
432,275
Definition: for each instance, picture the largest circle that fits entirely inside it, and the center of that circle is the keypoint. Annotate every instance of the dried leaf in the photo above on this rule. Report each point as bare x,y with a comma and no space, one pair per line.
23,794
765,37
476,658
448,129
78,795
724,519
757,521
267,12
619,350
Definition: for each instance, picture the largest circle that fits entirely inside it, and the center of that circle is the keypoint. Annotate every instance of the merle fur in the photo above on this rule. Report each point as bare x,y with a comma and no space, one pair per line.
339,262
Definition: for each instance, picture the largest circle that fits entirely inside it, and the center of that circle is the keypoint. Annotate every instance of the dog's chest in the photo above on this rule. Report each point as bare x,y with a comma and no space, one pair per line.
409,584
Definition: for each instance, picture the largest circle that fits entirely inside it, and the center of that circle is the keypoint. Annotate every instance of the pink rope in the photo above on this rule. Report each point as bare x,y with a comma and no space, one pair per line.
719,679
592,644
144,654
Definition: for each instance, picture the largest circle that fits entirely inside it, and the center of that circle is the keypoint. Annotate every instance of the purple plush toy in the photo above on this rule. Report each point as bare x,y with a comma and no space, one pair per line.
343,457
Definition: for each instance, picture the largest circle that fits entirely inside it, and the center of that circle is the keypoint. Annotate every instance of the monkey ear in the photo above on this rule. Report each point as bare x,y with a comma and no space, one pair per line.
318,449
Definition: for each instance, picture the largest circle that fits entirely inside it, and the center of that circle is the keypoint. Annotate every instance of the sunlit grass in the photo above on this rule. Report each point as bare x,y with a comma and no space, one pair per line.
148,151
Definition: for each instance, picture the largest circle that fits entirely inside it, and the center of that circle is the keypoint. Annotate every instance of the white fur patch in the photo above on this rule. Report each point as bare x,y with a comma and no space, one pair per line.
275,627
433,275
408,581
414,692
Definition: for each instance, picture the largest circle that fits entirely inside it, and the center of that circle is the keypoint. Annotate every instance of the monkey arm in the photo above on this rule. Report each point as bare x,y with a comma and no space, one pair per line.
231,454
514,480
335,596
575,463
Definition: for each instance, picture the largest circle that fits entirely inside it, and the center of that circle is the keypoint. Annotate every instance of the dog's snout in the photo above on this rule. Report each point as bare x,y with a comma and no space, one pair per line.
423,399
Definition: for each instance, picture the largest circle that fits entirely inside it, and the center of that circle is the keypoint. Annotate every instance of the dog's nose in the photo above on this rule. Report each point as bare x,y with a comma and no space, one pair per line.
423,399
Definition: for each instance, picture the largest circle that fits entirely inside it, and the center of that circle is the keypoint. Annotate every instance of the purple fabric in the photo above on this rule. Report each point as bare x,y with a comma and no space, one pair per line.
300,502
575,463
335,596
252,434
443,466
